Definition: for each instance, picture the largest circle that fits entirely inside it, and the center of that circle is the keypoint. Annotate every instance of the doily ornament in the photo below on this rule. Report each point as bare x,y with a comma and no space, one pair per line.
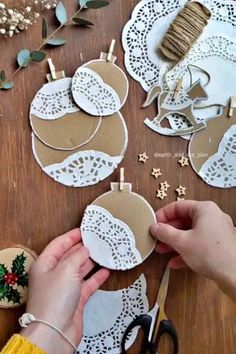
213,151
89,164
57,121
115,228
214,49
112,312
100,87
15,263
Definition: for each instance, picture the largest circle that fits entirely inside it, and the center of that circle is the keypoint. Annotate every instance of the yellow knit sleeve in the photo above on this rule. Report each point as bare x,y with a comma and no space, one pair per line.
20,345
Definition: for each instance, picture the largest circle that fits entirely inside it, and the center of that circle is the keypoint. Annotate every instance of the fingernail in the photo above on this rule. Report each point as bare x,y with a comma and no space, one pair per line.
154,229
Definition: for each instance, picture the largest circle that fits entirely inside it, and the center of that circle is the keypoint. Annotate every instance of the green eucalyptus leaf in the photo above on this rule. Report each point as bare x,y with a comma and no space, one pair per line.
44,28
83,3
56,41
82,22
7,85
61,13
2,75
23,58
96,4
37,56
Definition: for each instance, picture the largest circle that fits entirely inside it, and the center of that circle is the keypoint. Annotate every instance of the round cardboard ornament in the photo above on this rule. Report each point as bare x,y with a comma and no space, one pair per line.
57,121
100,87
89,164
212,151
15,263
115,228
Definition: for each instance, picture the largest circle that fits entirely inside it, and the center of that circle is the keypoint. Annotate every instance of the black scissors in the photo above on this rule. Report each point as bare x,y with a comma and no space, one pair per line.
154,328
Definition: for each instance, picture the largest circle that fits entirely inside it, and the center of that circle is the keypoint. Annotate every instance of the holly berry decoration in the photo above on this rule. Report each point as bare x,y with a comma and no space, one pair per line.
11,279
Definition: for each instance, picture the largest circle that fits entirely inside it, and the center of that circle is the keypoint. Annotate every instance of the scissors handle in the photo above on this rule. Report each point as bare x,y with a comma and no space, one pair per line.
166,326
143,321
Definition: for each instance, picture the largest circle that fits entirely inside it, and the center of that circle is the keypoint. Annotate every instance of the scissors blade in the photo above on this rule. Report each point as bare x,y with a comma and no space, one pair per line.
161,296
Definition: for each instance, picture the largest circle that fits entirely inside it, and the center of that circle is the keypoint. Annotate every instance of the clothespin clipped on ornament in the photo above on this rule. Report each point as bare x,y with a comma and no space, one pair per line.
122,178
54,75
109,56
232,106
178,89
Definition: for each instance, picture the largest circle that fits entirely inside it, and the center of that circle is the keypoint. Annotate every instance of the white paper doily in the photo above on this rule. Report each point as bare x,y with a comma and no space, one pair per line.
219,170
214,51
107,315
93,95
110,241
54,100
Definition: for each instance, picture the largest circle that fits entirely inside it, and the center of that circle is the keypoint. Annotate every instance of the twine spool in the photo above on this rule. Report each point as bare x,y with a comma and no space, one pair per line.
184,30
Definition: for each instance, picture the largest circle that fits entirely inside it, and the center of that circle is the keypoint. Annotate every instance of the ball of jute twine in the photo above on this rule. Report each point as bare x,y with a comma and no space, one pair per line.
184,30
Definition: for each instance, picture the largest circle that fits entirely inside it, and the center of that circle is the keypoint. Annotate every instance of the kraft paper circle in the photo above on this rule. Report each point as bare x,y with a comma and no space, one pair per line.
115,229
100,87
212,151
86,165
57,121
15,263
67,133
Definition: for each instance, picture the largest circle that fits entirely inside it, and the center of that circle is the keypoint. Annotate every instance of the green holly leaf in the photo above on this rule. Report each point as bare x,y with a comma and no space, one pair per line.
23,280
18,264
13,295
61,13
56,41
82,22
4,291
23,58
96,4
44,28
37,56
3,270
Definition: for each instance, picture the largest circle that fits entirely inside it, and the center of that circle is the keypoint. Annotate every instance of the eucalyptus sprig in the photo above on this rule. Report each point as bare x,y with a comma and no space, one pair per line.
25,56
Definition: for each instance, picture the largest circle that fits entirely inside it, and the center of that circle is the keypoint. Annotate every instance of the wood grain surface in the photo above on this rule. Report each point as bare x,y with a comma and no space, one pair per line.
34,209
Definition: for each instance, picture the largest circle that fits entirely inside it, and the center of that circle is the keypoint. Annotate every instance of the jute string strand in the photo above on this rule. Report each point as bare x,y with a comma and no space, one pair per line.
184,30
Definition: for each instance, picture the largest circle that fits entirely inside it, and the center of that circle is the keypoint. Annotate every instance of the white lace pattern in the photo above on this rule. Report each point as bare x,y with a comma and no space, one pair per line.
110,241
93,95
54,100
111,313
220,169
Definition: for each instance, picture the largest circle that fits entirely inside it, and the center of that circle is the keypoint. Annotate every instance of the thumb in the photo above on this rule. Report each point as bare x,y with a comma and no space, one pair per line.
169,235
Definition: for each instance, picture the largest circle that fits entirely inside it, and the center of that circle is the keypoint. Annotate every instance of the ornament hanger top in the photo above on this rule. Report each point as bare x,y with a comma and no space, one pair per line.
109,56
54,75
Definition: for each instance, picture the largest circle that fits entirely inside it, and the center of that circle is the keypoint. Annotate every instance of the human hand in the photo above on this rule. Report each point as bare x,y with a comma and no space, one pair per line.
57,292
204,238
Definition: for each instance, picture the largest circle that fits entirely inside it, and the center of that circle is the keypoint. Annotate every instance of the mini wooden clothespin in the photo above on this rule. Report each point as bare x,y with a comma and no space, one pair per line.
109,56
178,88
122,179
54,75
232,106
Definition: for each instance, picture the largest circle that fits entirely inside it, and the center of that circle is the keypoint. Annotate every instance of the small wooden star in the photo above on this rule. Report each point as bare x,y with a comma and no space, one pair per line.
181,190
156,172
161,194
178,199
183,161
143,157
164,186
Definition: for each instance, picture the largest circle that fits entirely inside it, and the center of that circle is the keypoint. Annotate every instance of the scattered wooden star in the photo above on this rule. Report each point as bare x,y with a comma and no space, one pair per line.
178,199
181,190
143,157
183,161
164,186
156,172
161,194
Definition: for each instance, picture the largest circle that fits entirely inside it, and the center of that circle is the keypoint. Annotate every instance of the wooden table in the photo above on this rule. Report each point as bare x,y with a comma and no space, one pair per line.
34,209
